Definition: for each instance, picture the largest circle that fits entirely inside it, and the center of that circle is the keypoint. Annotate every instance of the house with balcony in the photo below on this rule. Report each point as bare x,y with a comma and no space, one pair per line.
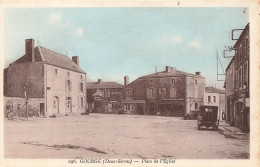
170,92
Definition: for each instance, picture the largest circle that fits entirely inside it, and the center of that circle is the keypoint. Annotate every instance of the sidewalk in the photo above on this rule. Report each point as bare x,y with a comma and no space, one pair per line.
231,131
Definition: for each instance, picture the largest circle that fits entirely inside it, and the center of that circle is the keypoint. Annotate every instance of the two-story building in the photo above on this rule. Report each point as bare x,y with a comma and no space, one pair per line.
104,97
56,83
170,92
237,83
215,97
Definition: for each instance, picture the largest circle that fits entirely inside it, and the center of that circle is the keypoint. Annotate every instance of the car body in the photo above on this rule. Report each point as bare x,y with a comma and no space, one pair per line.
208,117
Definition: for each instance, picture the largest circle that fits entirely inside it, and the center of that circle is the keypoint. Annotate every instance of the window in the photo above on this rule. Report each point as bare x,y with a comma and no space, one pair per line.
68,74
162,90
128,106
129,93
81,102
173,81
68,85
81,87
150,92
173,92
214,99
196,81
245,73
151,82
240,78
68,102
196,106
56,71
240,53
209,99
81,77
106,93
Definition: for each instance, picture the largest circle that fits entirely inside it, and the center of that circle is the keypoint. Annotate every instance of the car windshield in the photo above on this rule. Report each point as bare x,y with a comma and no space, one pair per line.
208,109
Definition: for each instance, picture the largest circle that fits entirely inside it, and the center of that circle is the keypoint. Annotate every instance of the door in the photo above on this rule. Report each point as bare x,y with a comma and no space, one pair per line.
56,105
42,109
68,104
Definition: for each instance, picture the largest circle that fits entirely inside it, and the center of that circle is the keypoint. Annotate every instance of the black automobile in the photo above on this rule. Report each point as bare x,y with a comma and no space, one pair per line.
208,117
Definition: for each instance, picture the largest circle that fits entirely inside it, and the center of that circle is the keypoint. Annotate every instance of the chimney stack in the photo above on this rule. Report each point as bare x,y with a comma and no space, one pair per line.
75,59
197,73
126,79
29,50
168,68
99,80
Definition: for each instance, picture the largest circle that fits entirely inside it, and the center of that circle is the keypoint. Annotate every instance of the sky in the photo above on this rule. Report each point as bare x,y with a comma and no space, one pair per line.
115,42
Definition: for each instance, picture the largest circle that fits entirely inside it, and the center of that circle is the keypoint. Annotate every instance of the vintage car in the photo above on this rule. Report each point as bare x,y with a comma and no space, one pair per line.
208,117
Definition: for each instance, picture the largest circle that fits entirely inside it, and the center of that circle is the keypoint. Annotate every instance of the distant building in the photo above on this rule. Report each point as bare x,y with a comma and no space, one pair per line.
170,92
57,83
237,83
104,97
215,97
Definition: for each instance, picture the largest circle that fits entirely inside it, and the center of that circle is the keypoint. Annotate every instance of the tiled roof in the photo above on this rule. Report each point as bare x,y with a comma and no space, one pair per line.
174,73
214,90
102,85
52,58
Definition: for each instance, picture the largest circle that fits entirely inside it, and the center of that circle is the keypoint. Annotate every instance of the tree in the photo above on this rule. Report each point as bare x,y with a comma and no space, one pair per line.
28,92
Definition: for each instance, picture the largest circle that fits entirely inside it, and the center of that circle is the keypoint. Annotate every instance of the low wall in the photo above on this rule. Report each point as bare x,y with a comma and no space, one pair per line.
18,106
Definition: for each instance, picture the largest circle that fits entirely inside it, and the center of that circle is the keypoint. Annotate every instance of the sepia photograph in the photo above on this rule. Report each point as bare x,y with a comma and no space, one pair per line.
128,85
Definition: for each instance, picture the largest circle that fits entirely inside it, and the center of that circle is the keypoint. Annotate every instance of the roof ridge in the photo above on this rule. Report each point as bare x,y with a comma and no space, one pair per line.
54,52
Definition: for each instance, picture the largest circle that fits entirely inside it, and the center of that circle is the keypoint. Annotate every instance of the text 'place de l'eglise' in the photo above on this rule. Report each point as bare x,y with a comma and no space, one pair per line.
44,83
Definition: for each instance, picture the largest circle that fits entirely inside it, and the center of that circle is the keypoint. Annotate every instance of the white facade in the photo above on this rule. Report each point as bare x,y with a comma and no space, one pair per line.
65,91
214,99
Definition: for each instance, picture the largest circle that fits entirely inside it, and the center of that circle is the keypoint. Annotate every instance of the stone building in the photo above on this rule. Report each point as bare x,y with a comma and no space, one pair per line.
170,92
215,97
237,83
104,97
57,83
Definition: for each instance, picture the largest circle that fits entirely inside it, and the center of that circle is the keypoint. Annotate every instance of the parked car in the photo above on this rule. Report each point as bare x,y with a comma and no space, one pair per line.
192,115
208,117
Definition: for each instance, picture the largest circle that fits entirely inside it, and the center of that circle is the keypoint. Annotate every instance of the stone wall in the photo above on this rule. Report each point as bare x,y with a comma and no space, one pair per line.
19,107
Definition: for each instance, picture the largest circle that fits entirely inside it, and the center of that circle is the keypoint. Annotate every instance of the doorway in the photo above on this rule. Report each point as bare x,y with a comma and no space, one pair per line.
68,104
42,109
56,105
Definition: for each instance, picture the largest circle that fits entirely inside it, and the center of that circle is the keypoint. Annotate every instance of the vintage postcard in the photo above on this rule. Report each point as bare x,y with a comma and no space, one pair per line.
151,83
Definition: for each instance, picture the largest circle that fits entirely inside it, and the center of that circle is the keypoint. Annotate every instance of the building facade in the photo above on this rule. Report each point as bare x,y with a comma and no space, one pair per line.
57,84
215,97
170,92
104,97
237,84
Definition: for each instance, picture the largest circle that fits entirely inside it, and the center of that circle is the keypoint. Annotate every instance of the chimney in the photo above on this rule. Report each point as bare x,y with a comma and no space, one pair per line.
99,80
168,68
75,59
126,79
197,73
29,50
